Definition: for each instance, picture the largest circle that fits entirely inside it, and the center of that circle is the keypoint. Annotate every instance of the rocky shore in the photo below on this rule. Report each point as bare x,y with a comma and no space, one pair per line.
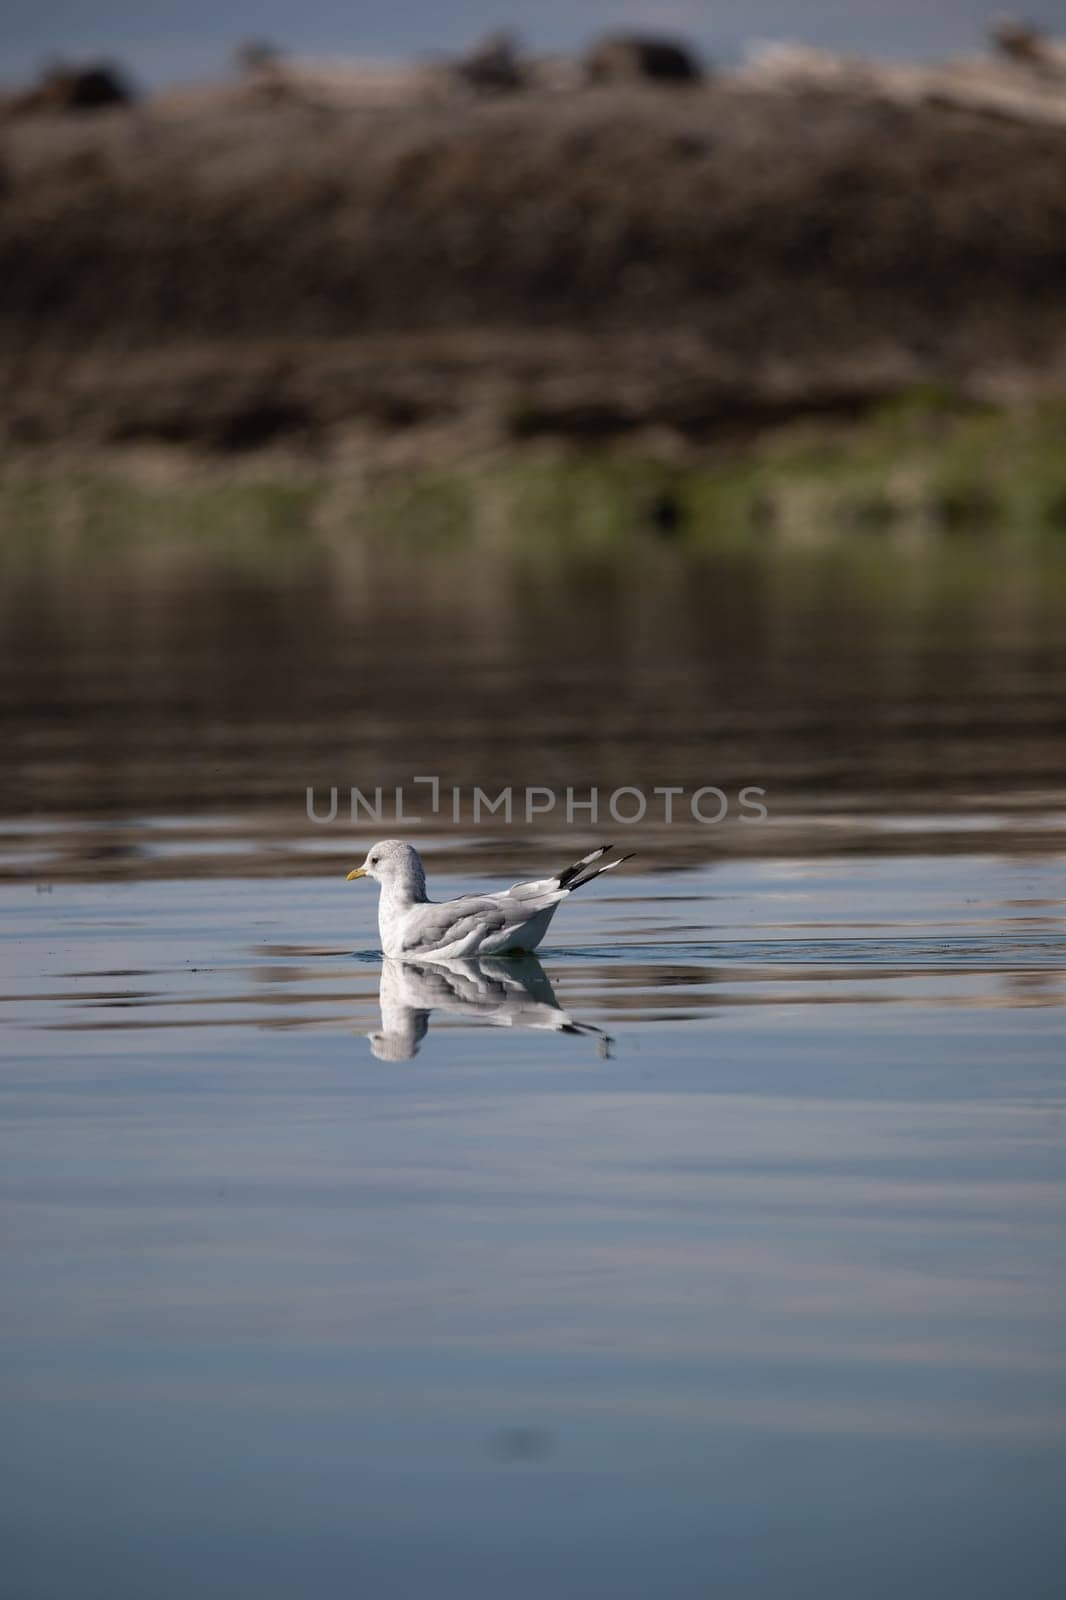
439,274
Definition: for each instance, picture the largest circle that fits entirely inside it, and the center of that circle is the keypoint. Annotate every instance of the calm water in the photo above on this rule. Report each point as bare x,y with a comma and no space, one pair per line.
763,1296
876,684
721,1251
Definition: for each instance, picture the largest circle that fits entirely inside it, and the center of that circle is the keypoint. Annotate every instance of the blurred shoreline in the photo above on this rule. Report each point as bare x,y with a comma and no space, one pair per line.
425,278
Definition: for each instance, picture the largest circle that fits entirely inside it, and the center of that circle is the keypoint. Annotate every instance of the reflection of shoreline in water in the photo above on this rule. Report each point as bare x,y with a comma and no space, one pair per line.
511,993
173,705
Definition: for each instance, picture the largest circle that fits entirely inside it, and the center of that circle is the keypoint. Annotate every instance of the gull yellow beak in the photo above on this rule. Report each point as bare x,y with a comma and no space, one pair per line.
356,872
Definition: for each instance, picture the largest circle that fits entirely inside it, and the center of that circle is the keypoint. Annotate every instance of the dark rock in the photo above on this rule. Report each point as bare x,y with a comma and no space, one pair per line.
95,87
664,514
1019,41
493,66
632,58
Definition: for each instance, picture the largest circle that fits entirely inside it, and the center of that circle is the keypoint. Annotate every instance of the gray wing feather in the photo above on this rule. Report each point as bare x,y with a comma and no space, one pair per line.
532,890
440,925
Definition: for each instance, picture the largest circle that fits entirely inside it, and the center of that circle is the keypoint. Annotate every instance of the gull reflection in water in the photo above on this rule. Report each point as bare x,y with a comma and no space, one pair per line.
512,993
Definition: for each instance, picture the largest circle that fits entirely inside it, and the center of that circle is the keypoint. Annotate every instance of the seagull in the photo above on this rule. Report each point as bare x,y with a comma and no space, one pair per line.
415,928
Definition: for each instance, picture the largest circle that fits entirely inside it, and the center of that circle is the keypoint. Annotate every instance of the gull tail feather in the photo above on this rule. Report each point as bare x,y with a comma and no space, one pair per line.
581,872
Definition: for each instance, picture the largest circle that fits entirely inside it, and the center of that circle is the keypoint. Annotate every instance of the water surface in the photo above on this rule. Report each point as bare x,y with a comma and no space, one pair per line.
720,1253
764,1294
880,691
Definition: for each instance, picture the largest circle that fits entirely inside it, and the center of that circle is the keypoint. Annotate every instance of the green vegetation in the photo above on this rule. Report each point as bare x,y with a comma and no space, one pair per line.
47,515
920,466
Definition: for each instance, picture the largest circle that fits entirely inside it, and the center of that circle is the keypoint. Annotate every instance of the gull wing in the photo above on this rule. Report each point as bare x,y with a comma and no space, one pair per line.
467,922
439,925
575,876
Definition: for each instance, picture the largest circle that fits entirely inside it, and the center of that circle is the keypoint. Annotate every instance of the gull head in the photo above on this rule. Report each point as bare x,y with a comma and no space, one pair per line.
395,865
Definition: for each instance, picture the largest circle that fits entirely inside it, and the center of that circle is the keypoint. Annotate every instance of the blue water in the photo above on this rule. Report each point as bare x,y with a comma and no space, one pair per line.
753,1286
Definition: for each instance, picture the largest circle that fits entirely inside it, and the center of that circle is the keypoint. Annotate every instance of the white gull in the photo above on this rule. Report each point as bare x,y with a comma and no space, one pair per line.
414,927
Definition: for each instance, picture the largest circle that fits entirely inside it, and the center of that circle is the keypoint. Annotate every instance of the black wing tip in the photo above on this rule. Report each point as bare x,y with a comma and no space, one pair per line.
586,870
583,871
